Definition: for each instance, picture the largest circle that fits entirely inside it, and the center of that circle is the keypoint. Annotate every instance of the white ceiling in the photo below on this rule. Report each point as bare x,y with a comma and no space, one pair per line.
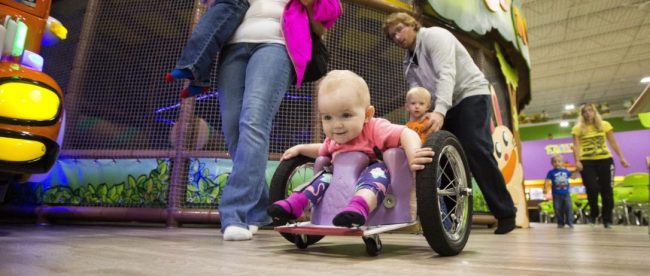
586,51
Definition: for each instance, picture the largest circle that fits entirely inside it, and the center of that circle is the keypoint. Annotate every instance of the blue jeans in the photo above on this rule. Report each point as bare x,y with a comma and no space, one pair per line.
215,27
563,209
253,78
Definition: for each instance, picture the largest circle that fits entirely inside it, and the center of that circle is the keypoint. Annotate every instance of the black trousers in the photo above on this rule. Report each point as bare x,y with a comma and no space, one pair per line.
598,176
469,120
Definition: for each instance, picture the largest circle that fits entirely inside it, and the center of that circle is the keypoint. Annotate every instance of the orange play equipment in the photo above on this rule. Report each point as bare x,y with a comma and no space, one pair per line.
31,102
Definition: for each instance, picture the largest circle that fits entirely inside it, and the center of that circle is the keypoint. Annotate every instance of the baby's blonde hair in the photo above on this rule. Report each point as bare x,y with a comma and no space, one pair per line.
345,80
419,92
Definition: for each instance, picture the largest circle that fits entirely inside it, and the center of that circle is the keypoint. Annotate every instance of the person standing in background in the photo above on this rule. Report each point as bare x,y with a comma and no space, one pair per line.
594,160
557,180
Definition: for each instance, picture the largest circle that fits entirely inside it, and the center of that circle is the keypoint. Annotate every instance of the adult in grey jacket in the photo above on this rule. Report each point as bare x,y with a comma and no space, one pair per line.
437,61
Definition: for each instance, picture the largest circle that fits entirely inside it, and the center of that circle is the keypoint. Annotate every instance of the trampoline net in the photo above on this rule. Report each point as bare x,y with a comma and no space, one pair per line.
117,85
117,98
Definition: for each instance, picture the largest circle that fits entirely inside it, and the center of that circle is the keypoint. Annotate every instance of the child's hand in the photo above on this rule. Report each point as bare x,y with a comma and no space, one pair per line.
548,196
291,153
422,156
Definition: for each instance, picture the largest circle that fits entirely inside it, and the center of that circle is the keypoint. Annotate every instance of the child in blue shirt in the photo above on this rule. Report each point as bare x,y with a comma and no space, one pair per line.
558,177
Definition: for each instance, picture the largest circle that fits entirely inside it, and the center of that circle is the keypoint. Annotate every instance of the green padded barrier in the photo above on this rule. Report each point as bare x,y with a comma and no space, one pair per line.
634,188
645,119
547,206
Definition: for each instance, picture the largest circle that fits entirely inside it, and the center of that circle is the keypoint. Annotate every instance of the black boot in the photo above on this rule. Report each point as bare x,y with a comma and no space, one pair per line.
505,225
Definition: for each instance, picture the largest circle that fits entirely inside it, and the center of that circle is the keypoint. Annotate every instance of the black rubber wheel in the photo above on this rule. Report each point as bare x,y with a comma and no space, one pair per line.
290,174
444,195
301,241
373,245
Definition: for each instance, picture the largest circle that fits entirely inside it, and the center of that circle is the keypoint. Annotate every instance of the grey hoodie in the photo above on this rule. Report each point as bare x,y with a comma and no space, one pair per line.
442,65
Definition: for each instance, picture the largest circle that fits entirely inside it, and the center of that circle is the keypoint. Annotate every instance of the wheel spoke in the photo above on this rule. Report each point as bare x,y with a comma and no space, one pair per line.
449,213
299,176
445,216
444,173
451,182
451,198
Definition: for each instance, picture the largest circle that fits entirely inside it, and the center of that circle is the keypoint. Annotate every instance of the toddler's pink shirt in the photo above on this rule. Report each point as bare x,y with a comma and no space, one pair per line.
377,132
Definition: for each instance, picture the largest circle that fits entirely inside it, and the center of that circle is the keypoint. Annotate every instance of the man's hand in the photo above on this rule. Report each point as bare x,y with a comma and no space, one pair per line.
422,157
436,120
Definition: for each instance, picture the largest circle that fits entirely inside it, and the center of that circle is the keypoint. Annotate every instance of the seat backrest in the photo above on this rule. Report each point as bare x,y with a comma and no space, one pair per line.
345,173
321,163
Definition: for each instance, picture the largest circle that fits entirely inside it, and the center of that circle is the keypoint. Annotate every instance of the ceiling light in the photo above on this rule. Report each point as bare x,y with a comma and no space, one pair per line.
569,107
645,80
564,123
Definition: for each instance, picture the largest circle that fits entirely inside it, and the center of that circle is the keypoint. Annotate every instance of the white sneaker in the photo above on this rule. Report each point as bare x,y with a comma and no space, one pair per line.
253,229
234,233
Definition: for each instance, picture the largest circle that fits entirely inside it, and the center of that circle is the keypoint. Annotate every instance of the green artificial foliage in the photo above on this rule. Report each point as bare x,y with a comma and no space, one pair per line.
146,189
204,187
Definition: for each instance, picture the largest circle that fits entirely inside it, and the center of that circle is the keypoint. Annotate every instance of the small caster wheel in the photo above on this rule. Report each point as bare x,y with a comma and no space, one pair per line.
301,241
373,245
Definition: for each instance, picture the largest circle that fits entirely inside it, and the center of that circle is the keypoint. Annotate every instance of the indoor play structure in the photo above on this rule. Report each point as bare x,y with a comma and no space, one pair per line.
133,152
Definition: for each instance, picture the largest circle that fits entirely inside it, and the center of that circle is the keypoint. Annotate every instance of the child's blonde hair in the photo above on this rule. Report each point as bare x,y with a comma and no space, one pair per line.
597,122
419,92
556,157
345,80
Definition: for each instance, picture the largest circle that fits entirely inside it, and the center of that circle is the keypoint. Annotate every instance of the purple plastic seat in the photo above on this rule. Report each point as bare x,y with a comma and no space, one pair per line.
342,187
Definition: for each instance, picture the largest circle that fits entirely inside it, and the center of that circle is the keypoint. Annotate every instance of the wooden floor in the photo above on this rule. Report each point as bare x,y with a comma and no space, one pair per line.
153,250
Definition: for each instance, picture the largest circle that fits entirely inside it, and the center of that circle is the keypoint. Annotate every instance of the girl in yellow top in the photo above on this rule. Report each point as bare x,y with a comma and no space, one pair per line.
594,160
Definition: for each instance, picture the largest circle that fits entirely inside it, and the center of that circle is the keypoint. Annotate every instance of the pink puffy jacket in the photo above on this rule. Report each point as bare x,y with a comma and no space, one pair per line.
295,26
